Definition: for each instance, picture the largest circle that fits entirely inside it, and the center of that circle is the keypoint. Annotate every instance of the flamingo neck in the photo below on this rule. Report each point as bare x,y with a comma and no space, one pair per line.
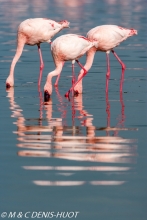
51,75
89,60
10,79
56,72
14,61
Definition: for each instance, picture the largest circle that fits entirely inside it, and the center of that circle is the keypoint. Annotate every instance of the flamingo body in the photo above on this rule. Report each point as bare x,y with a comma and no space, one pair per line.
108,37
39,30
33,32
69,47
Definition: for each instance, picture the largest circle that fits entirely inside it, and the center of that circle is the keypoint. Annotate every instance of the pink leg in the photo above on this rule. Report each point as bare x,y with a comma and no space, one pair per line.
40,77
108,72
122,80
41,65
108,113
84,73
123,68
119,60
73,75
41,59
58,77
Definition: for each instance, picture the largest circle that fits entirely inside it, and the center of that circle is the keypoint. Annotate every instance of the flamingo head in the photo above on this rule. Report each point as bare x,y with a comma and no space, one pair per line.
46,96
9,82
64,23
8,86
47,91
132,32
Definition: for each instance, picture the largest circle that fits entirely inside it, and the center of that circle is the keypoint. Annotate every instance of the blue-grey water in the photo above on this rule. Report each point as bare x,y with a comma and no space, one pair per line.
83,158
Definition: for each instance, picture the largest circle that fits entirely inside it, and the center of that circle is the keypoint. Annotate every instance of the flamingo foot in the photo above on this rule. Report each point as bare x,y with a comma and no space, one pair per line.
46,96
8,85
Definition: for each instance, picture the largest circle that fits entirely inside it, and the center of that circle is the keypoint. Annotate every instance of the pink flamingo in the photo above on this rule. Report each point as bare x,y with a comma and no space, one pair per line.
108,37
64,48
33,32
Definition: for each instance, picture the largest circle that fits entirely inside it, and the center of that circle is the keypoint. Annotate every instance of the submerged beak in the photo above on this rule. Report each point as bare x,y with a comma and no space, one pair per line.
8,86
46,96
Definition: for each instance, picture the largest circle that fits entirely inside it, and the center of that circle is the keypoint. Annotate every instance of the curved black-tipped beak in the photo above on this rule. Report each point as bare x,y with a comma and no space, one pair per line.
46,96
8,86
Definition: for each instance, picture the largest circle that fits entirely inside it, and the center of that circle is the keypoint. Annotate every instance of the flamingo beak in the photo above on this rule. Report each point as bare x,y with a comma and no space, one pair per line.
46,96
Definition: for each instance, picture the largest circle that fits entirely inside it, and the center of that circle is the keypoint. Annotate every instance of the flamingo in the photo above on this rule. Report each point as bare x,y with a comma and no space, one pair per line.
33,32
69,47
108,37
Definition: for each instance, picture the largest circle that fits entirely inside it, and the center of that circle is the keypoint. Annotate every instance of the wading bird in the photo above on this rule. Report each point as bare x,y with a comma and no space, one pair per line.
69,47
108,37
33,32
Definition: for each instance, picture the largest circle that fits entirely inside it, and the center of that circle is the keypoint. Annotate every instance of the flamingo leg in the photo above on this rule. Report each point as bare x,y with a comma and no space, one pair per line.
119,60
73,75
58,77
123,69
108,71
41,59
108,114
41,65
122,80
40,77
84,74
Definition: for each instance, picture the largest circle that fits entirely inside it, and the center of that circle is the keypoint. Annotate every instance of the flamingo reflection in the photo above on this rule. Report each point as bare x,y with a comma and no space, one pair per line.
102,146
72,143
